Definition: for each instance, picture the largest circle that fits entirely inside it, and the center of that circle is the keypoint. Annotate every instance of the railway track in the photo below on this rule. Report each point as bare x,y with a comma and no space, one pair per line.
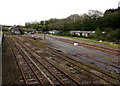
71,60
98,60
59,75
28,74
77,62
108,75
91,46
113,65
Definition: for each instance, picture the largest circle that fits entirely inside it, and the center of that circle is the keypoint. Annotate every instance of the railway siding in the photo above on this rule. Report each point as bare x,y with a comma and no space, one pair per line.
67,47
61,71
52,66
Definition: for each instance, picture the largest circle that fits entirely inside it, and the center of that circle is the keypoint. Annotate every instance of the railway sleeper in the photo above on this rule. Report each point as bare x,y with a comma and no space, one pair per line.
26,73
31,80
60,74
65,79
33,83
21,80
28,77
73,72
24,67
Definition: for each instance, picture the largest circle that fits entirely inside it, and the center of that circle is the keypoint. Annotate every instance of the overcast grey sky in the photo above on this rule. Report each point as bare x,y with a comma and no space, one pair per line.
20,11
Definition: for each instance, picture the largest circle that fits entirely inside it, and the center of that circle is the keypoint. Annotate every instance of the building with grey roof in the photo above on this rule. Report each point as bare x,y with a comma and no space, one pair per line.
82,33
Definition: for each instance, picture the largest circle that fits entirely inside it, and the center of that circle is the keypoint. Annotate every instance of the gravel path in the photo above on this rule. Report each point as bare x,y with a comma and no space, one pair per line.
10,71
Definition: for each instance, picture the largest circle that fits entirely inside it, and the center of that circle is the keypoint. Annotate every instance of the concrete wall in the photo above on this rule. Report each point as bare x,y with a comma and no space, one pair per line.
0,64
1,57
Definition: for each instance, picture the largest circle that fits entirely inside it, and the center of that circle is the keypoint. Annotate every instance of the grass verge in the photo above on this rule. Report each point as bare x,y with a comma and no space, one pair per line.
110,44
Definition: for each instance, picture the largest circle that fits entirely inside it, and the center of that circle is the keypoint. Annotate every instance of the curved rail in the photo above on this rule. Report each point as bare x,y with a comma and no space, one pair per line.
23,74
71,63
99,61
99,48
50,64
77,61
71,57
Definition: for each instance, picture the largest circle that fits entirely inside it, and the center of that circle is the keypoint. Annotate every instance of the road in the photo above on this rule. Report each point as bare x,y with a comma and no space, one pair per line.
84,53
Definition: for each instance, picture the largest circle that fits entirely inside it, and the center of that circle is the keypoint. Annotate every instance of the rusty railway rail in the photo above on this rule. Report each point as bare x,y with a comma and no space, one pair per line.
47,68
36,74
99,61
63,72
91,46
68,60
27,65
23,75
81,67
60,55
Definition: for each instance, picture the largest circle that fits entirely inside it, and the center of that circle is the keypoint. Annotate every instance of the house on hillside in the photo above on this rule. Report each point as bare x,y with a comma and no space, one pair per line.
17,30
31,31
82,33
54,32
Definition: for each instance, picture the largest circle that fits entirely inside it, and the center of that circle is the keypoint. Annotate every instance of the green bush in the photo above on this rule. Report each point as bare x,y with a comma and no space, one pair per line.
113,36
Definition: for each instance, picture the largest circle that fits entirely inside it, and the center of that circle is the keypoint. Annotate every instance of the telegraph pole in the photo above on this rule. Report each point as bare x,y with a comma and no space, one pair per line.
44,33
44,37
